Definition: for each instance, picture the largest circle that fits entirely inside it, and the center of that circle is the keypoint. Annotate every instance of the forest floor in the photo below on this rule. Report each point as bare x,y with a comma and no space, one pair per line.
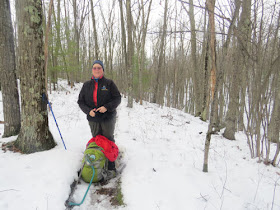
163,150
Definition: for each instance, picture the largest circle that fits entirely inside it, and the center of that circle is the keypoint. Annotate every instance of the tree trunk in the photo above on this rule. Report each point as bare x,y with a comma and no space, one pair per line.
205,54
212,45
130,53
142,51
210,5
96,48
244,43
8,72
124,49
233,101
77,44
274,128
196,74
57,46
34,134
237,4
46,47
240,64
156,98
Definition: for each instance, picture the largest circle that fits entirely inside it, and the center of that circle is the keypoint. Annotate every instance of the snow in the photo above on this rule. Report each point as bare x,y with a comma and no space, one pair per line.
163,150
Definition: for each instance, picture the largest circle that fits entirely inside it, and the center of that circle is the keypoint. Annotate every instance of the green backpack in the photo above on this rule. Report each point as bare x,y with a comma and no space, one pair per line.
96,158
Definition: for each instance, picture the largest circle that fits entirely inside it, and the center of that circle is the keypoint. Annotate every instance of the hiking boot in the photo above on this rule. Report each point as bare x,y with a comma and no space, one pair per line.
111,174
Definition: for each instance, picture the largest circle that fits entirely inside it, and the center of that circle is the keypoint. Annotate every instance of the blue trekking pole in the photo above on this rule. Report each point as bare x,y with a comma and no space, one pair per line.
45,97
89,162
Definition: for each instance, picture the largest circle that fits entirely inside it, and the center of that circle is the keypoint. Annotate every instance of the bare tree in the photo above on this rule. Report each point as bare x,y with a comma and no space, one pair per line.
80,10
108,36
46,47
274,125
196,71
144,27
123,68
158,83
205,66
239,67
210,5
57,48
96,47
8,72
130,53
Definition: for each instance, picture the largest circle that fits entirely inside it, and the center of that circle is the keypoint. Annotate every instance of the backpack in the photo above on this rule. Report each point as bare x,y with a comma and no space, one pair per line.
93,156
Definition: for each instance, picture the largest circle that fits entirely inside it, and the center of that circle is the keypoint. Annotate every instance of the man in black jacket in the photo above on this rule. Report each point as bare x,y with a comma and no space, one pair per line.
99,99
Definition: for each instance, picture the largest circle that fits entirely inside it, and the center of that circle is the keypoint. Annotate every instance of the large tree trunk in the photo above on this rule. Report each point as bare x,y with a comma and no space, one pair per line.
244,47
8,72
34,134
233,102
240,63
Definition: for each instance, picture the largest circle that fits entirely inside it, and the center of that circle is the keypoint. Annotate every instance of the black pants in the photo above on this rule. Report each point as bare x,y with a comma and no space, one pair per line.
105,128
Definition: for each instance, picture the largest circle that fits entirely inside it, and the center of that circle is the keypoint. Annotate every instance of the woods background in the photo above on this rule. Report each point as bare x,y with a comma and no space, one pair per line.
218,60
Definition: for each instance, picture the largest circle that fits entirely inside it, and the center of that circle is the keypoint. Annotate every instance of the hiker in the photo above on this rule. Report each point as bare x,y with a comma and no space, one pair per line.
98,99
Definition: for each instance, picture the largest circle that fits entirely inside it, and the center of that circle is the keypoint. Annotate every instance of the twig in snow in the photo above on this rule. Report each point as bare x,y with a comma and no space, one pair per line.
203,197
222,193
258,185
275,185
8,190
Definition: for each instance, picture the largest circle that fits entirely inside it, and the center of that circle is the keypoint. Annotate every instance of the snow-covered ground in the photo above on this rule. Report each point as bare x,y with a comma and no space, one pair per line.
163,150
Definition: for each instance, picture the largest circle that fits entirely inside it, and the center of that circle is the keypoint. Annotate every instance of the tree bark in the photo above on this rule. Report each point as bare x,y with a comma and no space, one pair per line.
245,45
196,73
8,78
239,64
46,47
210,5
96,48
142,51
130,53
205,54
158,86
77,44
274,126
57,46
124,49
34,135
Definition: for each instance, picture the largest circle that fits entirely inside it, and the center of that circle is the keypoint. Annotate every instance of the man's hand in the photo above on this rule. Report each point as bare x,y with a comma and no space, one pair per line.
92,112
101,109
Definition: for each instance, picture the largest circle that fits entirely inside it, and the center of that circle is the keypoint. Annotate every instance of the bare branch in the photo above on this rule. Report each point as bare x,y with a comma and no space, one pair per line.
183,31
204,8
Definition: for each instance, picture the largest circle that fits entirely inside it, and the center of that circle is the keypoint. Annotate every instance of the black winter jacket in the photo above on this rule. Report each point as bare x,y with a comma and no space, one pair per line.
108,96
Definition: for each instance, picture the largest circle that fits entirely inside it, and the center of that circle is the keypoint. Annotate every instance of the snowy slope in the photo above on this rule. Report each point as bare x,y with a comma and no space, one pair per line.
163,150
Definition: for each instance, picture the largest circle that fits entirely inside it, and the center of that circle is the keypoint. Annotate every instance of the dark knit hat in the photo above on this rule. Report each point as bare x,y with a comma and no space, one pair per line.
99,62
